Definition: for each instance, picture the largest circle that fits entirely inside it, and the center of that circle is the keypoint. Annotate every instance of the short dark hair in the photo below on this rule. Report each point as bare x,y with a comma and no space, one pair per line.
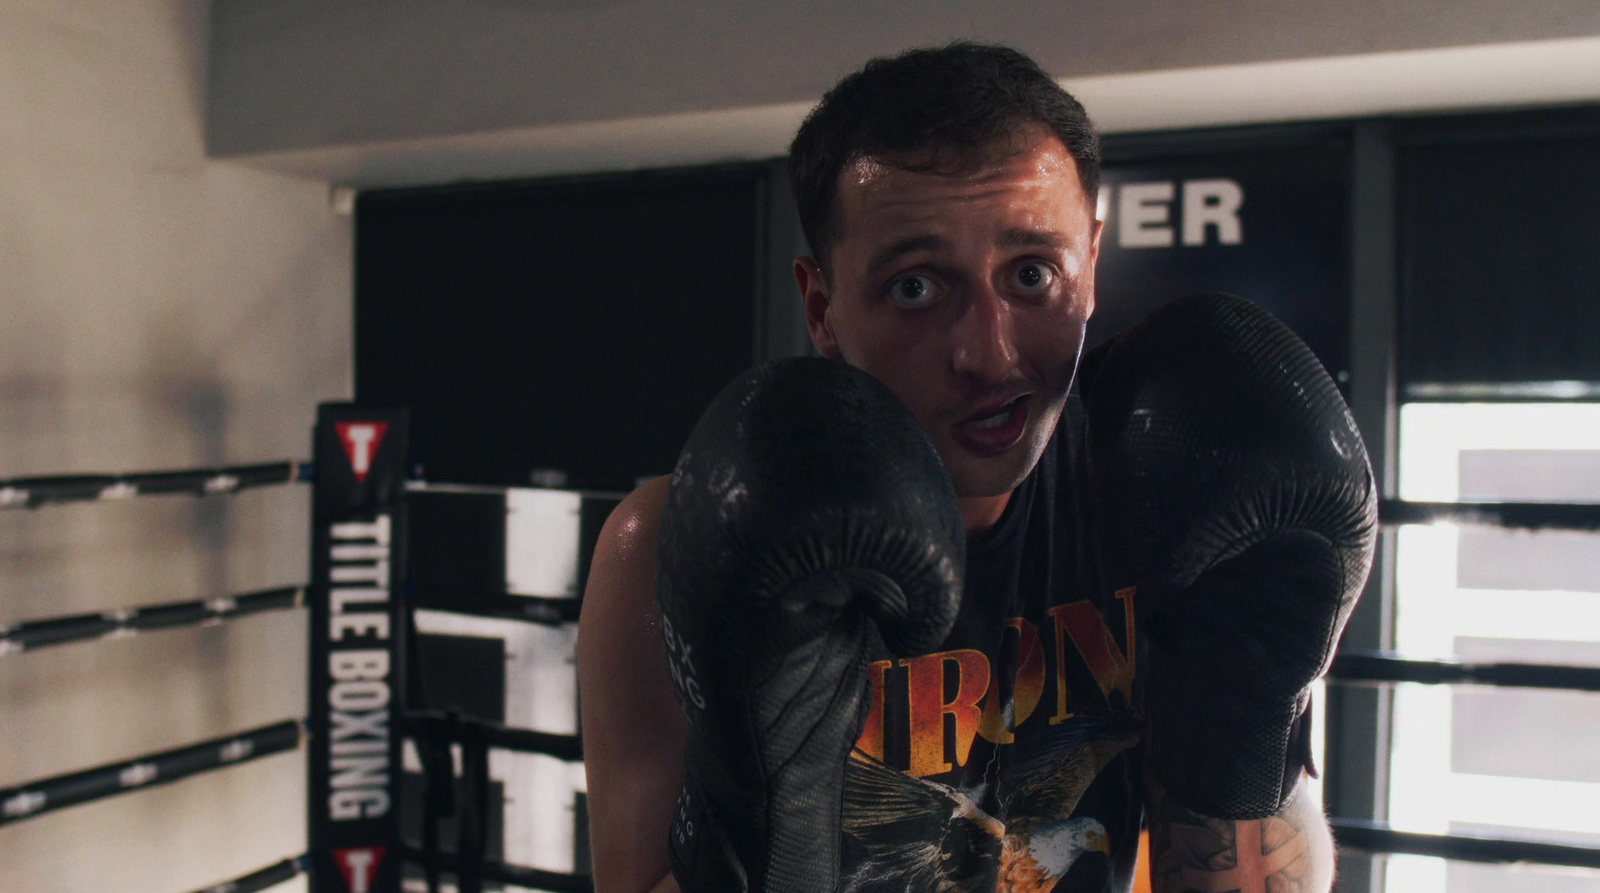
938,108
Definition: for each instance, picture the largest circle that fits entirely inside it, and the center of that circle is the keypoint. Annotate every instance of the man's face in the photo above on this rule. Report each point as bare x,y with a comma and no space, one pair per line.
967,295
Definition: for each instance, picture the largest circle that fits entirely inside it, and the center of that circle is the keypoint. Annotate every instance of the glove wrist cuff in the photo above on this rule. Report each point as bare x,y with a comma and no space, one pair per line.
1237,770
702,856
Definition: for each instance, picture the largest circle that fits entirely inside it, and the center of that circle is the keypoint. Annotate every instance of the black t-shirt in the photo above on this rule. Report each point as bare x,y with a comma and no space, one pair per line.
1005,760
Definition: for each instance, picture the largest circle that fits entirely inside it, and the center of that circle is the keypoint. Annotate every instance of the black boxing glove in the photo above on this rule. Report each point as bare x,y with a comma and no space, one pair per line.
807,509
1232,489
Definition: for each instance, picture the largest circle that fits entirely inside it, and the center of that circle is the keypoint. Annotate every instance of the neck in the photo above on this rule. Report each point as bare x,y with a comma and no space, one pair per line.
981,513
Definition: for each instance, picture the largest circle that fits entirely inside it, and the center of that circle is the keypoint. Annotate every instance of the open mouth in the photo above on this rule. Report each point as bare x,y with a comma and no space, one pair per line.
989,422
994,432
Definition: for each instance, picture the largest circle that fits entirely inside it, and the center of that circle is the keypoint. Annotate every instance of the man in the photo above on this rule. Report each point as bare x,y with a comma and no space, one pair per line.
949,197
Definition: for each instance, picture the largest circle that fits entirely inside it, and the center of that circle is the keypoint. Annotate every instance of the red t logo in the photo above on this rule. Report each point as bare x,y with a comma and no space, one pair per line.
361,440
359,866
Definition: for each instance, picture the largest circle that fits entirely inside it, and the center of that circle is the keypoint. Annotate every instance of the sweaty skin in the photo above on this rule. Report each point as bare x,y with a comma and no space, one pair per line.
633,731
966,292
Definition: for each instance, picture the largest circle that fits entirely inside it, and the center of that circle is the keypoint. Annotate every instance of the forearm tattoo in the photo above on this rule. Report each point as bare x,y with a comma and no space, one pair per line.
1192,853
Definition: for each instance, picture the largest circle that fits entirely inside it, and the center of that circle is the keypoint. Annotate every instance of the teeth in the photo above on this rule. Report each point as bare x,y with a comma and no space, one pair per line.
993,421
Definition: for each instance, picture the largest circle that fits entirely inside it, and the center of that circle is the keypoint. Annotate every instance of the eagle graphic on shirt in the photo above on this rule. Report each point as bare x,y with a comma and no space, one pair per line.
915,834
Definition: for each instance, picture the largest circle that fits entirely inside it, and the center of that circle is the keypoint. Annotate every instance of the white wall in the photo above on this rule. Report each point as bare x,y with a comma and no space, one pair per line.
157,310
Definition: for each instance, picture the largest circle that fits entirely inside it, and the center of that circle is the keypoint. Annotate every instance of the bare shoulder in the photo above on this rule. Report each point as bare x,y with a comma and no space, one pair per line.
633,731
626,548
619,610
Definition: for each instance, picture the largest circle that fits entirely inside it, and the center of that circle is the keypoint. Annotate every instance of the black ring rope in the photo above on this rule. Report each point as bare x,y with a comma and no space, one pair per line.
417,485
1380,666
519,875
1519,515
436,726
1374,837
499,603
32,492
434,733
261,879
124,622
48,794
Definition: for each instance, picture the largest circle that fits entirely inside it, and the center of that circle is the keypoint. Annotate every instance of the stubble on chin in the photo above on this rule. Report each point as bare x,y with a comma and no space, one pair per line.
996,476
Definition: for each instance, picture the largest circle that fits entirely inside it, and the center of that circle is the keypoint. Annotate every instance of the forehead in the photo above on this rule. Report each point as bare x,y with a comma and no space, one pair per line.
1033,177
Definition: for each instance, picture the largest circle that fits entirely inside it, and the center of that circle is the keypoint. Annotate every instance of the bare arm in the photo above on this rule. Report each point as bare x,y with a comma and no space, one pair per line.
1291,852
633,731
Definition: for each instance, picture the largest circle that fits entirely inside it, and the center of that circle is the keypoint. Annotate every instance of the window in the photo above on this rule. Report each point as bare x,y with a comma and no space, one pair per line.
1509,762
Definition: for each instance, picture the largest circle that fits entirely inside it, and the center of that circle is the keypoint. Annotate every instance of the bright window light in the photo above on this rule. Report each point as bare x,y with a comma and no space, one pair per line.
1456,592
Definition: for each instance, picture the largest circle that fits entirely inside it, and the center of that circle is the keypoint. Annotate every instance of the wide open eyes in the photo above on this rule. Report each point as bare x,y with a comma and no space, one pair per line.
1028,278
914,291
1032,277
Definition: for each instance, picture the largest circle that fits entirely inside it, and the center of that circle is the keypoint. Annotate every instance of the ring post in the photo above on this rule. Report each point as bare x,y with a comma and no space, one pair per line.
358,535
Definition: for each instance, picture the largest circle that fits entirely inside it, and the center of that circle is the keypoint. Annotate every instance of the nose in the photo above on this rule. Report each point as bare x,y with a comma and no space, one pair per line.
984,343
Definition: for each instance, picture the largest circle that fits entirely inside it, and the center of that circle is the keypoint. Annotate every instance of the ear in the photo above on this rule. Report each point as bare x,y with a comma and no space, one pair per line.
1094,263
817,302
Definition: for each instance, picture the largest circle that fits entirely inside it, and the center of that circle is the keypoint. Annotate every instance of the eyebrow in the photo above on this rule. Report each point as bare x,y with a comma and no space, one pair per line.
1015,237
895,250
1032,238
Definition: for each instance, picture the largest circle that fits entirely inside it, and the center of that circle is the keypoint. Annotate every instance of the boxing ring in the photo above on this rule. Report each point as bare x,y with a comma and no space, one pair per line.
362,740
370,608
